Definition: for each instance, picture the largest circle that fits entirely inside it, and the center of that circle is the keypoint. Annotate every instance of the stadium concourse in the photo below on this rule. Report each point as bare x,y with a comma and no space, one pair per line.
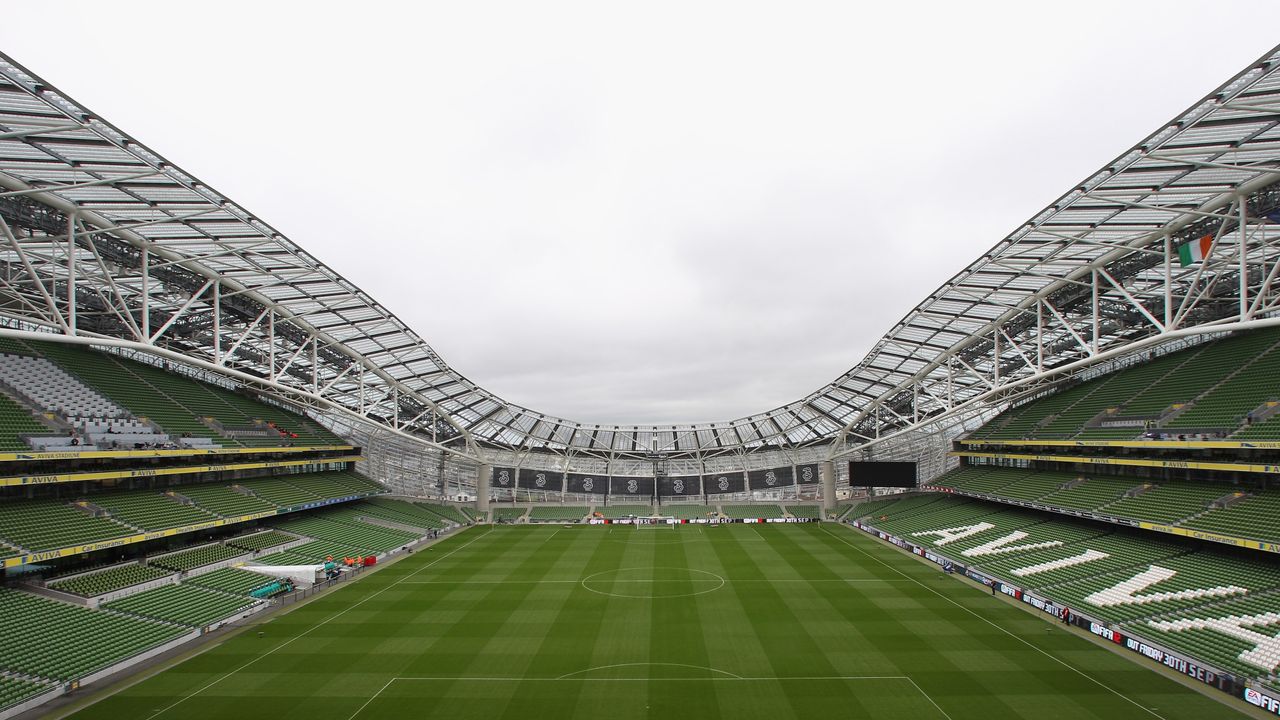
1049,491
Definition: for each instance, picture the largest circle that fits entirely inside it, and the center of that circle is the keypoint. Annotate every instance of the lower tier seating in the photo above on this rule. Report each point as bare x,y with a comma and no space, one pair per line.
52,639
196,557
624,511
556,513
509,514
183,604
230,580
14,691
804,511
102,582
751,511
689,512
261,540
368,539
1216,605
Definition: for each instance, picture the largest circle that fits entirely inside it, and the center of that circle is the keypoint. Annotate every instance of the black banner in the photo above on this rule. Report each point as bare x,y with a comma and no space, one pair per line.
534,479
770,478
504,477
585,483
730,482
635,486
675,485
807,474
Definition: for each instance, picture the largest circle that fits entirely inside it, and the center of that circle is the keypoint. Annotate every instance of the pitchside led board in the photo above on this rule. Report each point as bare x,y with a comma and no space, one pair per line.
882,474
534,479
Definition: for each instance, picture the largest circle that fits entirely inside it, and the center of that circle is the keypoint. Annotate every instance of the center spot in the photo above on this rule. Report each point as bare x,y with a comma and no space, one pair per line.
653,582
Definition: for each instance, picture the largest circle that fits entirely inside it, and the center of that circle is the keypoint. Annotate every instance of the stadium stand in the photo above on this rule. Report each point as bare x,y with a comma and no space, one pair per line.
56,640
1211,388
1173,592
261,540
149,510
231,580
187,560
751,511
48,524
101,582
508,514
804,511
448,512
223,500
689,512
615,512
556,513
368,539
14,691
181,604
16,423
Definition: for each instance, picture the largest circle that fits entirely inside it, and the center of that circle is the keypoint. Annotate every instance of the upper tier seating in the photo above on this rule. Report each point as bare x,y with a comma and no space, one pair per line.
175,403
1186,504
223,500
15,422
52,639
1214,387
50,387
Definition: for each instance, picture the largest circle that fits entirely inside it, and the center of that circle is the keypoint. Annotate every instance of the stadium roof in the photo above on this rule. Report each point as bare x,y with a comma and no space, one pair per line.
153,256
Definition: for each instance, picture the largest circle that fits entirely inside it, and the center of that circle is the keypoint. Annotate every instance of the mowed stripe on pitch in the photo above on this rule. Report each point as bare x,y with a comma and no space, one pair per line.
799,607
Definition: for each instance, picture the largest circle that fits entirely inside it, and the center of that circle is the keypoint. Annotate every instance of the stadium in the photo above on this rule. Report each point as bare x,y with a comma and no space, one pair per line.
235,485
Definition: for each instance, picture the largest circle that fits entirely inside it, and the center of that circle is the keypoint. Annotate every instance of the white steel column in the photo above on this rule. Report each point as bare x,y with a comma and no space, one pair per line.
217,322
1244,260
1168,283
482,489
827,474
146,295
71,274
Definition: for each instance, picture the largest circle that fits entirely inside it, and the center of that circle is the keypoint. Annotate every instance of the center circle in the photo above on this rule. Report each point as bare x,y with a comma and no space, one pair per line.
652,582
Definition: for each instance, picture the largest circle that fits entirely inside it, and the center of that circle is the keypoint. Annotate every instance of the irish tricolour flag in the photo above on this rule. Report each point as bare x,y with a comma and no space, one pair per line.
1195,251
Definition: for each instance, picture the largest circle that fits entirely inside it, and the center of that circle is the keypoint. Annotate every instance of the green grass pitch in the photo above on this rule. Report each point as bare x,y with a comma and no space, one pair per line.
769,621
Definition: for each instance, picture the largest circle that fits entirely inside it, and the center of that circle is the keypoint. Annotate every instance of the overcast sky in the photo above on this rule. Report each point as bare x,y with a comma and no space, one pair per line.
651,212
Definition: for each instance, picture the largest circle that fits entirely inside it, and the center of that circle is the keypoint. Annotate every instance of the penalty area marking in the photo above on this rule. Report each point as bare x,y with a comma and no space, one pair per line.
725,677
306,632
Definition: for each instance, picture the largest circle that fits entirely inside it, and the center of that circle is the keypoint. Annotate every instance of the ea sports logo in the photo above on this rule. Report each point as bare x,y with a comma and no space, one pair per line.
588,484
633,486
540,480
504,477
770,479
723,483
678,486
806,474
